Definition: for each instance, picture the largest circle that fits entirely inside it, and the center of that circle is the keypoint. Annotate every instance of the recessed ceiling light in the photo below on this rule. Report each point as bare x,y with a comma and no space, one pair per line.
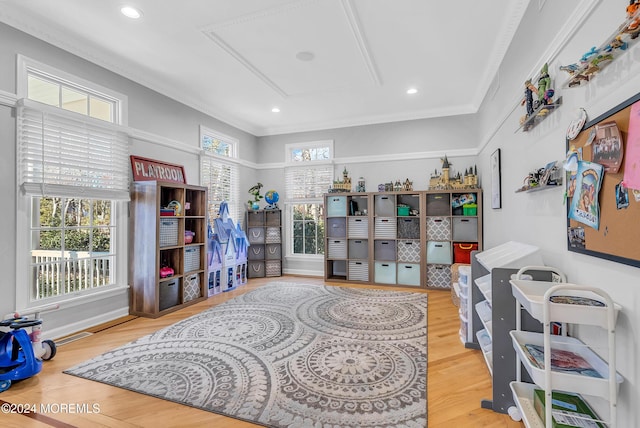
412,91
275,110
131,12
305,56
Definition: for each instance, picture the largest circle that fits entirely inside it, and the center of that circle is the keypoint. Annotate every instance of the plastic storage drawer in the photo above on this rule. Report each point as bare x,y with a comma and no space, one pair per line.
409,274
465,229
409,228
359,249
256,252
438,204
439,253
336,206
439,276
358,227
169,293
256,269
337,249
438,228
337,227
385,206
256,235
358,271
384,250
385,227
273,252
409,251
385,273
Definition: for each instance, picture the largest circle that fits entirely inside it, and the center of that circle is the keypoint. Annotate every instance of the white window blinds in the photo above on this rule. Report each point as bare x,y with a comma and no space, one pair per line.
221,178
65,155
308,182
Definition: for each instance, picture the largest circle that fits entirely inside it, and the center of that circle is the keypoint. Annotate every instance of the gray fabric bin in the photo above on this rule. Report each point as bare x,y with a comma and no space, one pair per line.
384,250
358,249
408,228
465,229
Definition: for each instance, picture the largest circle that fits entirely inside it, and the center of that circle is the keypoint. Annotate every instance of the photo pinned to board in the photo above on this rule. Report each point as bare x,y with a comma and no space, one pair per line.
622,196
584,205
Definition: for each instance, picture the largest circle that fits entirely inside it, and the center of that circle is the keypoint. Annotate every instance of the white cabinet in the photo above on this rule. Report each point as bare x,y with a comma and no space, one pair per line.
588,373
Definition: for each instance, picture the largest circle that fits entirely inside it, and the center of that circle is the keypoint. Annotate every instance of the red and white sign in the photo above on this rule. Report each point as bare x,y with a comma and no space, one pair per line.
148,169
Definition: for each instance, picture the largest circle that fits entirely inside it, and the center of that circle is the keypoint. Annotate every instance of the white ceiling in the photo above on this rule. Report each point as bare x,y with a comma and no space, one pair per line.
236,59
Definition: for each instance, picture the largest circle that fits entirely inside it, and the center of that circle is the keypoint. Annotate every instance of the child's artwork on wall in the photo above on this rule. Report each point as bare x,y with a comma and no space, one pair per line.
632,162
584,204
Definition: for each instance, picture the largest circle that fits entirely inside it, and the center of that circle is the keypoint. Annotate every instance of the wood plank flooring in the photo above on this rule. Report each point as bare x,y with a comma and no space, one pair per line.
457,378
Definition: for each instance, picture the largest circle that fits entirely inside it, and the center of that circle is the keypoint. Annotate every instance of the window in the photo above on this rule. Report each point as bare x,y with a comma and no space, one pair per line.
219,171
308,175
73,171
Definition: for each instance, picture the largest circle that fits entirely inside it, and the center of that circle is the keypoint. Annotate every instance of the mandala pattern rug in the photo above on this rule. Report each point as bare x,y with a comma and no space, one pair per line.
287,355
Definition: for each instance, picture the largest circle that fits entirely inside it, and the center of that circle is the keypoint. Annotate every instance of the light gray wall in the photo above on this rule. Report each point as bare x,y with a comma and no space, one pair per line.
149,111
540,218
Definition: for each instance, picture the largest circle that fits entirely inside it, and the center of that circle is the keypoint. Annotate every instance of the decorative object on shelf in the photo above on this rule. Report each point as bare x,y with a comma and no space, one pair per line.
543,178
397,186
361,187
444,181
407,186
188,236
166,272
496,187
597,58
538,100
148,170
577,124
343,185
176,207
271,197
253,204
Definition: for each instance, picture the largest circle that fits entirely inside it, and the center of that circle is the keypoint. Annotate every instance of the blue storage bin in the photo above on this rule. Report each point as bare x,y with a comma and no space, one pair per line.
336,206
409,274
439,253
385,273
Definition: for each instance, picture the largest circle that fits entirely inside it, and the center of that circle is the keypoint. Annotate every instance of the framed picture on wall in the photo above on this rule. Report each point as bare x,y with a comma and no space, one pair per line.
496,196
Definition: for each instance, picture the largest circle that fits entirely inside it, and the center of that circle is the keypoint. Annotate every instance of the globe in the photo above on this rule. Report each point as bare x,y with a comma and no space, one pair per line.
271,197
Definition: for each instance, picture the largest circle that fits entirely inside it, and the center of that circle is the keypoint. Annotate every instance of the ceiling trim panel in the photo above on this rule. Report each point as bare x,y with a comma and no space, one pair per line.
361,41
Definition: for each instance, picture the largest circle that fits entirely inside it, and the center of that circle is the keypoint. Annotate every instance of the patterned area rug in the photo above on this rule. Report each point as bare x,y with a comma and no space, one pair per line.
287,355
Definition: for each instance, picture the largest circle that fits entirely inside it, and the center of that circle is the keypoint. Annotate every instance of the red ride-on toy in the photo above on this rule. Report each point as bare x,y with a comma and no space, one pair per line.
22,353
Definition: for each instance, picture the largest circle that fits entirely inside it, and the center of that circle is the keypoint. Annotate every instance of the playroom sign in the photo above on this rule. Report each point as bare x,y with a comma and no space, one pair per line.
148,169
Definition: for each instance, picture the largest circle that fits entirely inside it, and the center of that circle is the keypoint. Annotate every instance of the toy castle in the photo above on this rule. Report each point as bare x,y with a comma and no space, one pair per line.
342,186
444,181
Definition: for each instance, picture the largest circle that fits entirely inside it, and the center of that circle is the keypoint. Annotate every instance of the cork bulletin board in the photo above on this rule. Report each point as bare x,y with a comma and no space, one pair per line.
617,236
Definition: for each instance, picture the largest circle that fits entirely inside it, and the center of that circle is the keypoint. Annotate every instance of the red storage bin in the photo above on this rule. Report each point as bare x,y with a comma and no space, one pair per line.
462,252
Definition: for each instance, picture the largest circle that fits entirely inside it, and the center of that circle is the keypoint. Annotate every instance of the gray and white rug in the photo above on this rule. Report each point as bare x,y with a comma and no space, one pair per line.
287,355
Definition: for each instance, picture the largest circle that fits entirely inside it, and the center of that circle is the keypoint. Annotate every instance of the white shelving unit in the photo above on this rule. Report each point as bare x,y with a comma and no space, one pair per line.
534,297
462,289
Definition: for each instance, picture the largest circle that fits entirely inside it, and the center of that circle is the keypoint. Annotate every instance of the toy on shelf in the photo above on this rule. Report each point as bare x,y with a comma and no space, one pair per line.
343,185
444,180
598,57
253,204
538,100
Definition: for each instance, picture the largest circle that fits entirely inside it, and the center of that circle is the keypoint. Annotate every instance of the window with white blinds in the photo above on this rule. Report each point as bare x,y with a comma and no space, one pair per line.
63,154
220,176
307,182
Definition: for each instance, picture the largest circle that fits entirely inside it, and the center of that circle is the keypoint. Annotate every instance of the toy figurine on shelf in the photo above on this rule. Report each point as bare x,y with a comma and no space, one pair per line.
255,191
529,90
342,186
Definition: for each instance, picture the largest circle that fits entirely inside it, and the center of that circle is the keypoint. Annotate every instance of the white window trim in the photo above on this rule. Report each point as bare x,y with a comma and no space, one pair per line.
24,64
288,148
288,215
233,142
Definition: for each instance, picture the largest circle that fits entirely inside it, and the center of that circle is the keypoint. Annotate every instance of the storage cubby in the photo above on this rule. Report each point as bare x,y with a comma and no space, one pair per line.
168,229
264,233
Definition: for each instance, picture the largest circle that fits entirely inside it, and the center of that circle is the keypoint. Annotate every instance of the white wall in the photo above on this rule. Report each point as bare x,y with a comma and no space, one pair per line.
171,133
540,218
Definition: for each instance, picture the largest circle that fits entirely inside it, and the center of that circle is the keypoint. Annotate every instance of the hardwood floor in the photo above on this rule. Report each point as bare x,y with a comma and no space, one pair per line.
457,379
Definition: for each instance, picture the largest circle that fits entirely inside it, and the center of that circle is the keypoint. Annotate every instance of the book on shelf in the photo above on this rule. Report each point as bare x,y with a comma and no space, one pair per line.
576,300
561,361
567,410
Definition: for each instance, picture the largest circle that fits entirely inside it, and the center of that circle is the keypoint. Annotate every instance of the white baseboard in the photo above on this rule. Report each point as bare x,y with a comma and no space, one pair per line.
303,272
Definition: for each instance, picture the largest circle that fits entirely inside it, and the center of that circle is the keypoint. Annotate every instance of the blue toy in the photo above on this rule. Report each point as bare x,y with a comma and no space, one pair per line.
21,353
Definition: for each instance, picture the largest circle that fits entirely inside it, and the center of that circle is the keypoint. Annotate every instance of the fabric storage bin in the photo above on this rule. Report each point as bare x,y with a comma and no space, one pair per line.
358,271
439,276
385,273
256,252
256,269
168,232
409,228
255,218
408,274
191,258
385,206
336,227
272,235
337,249
438,204
273,268
256,235
273,251
169,293
272,217
358,227
385,227
384,250
462,251
336,206
438,228
465,229
358,249
408,251
439,252
191,288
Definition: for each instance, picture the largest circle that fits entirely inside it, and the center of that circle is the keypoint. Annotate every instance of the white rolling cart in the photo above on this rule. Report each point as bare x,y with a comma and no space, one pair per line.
534,297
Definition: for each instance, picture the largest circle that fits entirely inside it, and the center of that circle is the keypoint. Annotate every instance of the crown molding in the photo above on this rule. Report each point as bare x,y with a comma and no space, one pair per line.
8,99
